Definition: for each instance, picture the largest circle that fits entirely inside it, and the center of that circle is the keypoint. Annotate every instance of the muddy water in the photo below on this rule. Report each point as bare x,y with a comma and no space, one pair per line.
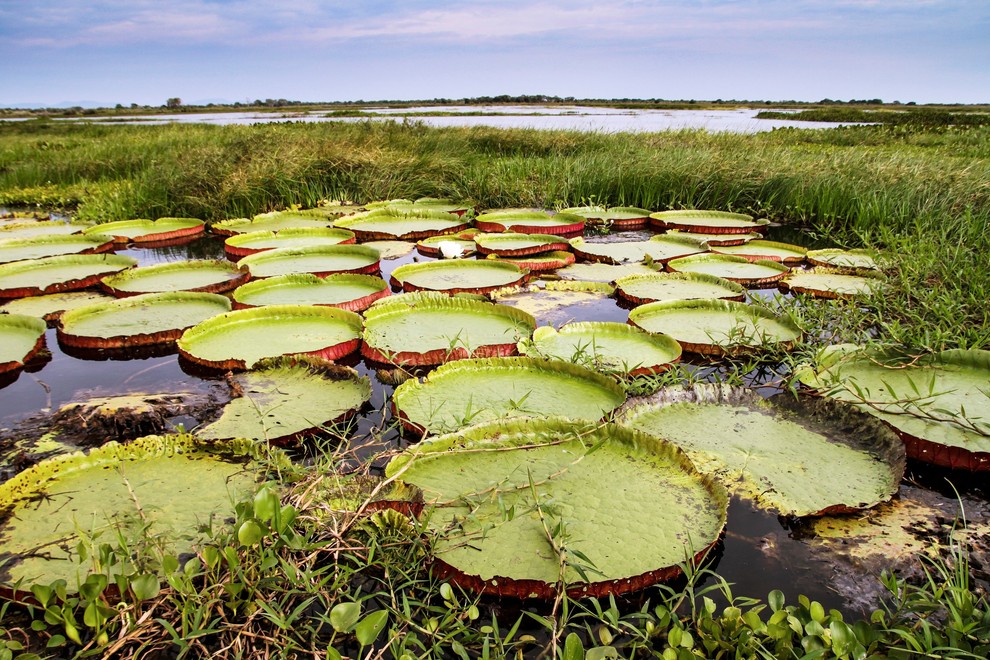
760,552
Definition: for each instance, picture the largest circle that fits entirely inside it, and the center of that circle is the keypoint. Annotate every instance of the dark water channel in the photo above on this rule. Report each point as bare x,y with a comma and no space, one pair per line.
760,552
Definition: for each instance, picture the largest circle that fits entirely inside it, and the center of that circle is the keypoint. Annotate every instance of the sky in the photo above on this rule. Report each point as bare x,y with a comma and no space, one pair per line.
75,52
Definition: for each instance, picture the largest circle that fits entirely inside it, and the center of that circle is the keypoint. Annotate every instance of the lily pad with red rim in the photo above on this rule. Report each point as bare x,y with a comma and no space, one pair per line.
465,392
149,231
511,244
344,290
422,204
655,287
144,320
735,269
617,348
318,260
708,222
242,245
531,222
51,307
241,338
204,275
458,276
717,327
270,222
491,491
40,247
660,249
787,254
57,274
392,224
855,260
617,217
716,240
539,263
559,302
593,272
797,457
435,328
834,283
40,228
21,338
449,246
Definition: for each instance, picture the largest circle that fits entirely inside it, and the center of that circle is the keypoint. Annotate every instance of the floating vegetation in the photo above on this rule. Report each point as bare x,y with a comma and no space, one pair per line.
390,250
450,246
149,231
758,250
21,338
708,222
51,307
559,302
538,263
622,218
395,224
716,240
735,269
530,222
421,204
205,276
594,272
39,247
272,222
319,260
57,274
39,228
344,290
511,244
458,276
850,259
658,287
237,246
834,283
616,348
659,249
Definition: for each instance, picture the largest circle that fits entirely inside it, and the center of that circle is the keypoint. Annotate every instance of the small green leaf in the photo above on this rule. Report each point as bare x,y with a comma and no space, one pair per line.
776,600
370,626
250,533
344,616
333,654
265,504
145,587
573,648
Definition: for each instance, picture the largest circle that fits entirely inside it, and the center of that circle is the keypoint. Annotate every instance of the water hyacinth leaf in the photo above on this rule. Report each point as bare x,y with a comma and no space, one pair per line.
39,247
660,249
774,451
855,260
204,275
344,290
569,484
143,320
241,245
471,391
317,259
511,244
716,327
831,283
789,255
595,272
169,487
939,404
531,222
559,302
147,231
21,337
272,222
434,328
602,346
656,287
735,269
457,276
708,222
57,274
51,307
289,398
396,224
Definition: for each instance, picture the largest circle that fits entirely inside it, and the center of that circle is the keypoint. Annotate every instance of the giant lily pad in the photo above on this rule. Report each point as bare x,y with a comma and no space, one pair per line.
659,248
708,222
538,263
39,247
471,391
716,240
239,339
21,337
735,269
529,508
798,457
830,283
270,222
655,287
716,327
393,224
594,272
556,303
143,320
457,276
603,346
618,217
51,307
42,228
57,274
318,260
939,404
511,244
433,329
421,204
241,245
389,250
855,260
206,276
149,231
449,246
289,398
789,255
344,290
166,488
531,222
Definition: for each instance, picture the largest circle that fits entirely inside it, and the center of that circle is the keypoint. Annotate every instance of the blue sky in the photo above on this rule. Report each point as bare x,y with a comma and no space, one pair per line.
141,51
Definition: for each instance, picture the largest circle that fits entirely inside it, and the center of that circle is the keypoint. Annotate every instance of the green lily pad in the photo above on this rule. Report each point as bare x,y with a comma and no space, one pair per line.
21,337
51,307
458,276
716,327
530,222
318,260
511,244
939,404
41,228
390,250
147,231
447,246
289,398
240,339
797,457
143,320
708,222
205,275
344,290
433,329
394,224
57,274
421,204
716,240
734,269
39,247
241,245
789,255
471,391
660,249
604,346
619,217
556,303
595,272
851,259
273,222
166,488
655,287
830,283
494,491
538,263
